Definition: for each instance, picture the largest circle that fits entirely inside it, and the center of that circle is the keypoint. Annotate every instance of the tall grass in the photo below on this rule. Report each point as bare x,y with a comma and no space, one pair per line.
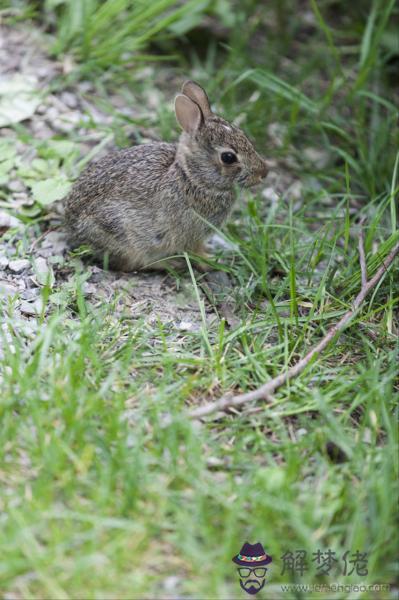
106,34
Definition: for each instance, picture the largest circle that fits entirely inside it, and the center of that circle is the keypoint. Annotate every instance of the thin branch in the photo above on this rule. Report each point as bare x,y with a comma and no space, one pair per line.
264,391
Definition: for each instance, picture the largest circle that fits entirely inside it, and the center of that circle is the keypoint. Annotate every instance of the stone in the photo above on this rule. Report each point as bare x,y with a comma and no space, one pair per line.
185,326
16,185
21,198
89,289
41,130
41,109
171,584
317,156
30,294
69,99
276,133
32,308
269,194
7,221
7,289
62,125
40,265
295,191
43,273
3,262
19,265
52,114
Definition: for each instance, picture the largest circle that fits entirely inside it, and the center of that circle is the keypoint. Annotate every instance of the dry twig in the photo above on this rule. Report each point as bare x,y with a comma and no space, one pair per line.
265,390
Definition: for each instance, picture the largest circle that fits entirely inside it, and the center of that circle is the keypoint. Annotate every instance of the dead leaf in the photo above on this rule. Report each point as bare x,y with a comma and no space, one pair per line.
19,98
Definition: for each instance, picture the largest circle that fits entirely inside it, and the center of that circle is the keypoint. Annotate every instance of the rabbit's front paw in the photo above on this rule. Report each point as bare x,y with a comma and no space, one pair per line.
204,257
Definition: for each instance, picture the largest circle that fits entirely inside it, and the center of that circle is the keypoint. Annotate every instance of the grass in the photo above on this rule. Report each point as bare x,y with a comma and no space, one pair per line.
106,489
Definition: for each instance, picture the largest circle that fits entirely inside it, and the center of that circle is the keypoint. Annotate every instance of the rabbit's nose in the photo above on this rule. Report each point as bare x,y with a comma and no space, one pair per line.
263,170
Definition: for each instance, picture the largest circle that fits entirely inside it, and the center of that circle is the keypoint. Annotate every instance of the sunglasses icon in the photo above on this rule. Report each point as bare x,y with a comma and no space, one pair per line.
247,571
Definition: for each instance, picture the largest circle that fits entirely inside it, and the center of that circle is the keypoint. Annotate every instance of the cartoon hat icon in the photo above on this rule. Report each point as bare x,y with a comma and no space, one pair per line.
252,555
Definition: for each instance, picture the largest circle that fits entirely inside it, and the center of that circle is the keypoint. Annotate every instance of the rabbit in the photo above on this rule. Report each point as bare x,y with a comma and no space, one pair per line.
140,205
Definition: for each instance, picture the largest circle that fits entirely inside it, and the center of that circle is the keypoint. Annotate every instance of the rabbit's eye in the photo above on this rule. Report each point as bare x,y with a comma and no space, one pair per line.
228,158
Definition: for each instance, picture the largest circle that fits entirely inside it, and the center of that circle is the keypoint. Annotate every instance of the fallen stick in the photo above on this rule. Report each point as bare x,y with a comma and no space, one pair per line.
264,391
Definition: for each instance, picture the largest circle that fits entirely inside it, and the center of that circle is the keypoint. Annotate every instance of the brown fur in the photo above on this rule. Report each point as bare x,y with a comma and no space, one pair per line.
143,204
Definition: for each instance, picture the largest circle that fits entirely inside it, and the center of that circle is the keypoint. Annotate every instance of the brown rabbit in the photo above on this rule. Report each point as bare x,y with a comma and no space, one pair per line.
140,205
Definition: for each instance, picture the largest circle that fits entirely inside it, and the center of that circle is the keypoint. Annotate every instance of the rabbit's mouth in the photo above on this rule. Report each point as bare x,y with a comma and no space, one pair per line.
250,180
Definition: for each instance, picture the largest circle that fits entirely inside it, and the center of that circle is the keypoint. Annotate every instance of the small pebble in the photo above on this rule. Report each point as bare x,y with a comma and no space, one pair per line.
56,103
7,221
30,294
185,326
295,191
317,156
86,86
277,133
41,109
56,240
52,113
19,200
41,130
41,266
32,308
7,289
15,185
43,72
171,583
269,194
63,126
69,99
301,432
19,265
3,262
89,288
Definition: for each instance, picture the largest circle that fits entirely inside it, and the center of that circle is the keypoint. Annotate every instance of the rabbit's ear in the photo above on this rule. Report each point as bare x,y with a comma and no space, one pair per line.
188,113
196,93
